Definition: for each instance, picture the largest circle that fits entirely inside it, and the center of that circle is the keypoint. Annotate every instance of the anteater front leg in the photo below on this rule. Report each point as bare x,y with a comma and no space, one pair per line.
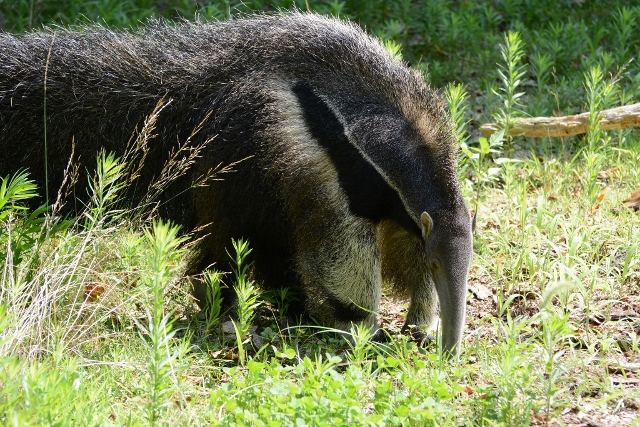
341,274
404,264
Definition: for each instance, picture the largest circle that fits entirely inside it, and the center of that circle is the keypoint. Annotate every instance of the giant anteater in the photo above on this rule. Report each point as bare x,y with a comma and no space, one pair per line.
349,175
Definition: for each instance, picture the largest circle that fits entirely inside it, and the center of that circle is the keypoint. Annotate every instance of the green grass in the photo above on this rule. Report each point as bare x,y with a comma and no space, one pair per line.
97,328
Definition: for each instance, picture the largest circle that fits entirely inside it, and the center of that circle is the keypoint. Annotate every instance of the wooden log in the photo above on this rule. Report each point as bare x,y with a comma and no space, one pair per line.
540,127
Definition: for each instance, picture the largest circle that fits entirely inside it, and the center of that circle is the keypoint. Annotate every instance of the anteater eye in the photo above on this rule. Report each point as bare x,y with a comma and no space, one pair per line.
434,265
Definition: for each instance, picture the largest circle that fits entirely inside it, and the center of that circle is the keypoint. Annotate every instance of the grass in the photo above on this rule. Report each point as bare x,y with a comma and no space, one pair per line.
97,328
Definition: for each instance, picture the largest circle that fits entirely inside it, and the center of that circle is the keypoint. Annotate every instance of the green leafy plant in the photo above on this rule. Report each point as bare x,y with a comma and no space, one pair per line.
541,65
553,337
458,100
163,254
247,294
511,73
600,94
105,187
18,238
478,158
213,282
360,343
625,23
14,190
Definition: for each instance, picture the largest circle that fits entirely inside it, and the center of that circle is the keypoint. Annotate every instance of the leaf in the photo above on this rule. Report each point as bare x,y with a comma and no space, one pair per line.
484,145
93,291
552,290
14,189
288,353
403,411
493,171
480,291
225,354
496,139
633,201
502,160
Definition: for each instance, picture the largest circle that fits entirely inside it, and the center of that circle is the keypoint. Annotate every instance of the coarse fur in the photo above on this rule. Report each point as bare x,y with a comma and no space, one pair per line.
349,175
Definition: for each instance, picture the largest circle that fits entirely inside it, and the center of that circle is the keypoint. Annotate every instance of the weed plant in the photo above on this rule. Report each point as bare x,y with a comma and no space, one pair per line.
213,281
511,73
164,255
247,296
97,328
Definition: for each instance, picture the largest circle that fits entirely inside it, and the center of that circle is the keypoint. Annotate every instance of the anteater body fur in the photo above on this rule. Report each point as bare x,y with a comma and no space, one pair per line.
349,170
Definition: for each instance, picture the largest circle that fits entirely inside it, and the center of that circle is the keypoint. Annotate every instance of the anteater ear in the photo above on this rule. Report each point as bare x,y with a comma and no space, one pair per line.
427,225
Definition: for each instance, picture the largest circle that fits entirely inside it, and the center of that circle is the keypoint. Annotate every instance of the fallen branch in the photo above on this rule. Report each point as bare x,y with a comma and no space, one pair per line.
540,127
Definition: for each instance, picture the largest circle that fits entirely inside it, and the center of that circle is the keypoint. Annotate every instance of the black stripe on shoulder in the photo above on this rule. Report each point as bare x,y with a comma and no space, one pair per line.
368,193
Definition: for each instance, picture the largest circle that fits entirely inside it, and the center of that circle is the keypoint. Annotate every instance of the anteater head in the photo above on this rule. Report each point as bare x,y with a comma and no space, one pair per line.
449,248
